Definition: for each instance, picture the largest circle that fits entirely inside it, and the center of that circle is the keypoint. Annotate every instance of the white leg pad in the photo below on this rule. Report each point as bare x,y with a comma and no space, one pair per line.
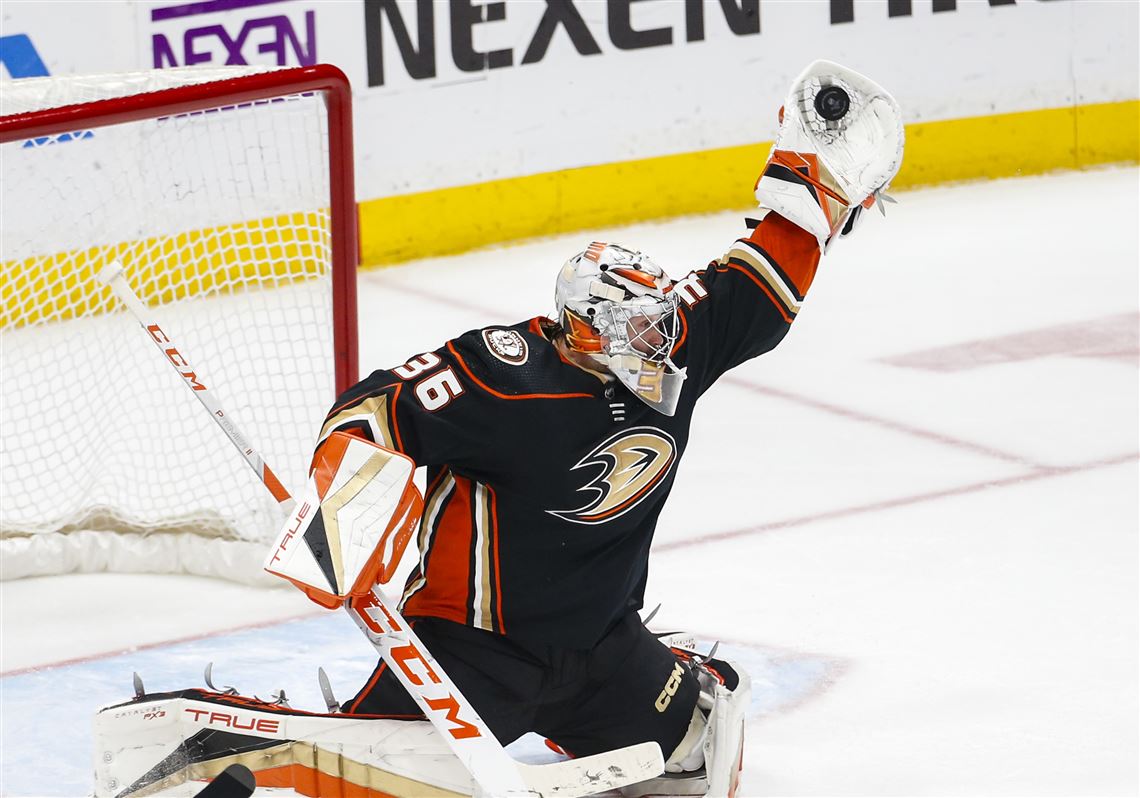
173,743
724,745
719,721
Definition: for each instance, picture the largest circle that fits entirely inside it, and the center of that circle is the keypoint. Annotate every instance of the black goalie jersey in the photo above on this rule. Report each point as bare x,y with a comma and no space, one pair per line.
544,483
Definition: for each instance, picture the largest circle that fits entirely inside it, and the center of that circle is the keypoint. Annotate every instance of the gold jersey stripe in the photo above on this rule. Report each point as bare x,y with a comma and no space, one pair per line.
374,411
483,604
432,509
766,272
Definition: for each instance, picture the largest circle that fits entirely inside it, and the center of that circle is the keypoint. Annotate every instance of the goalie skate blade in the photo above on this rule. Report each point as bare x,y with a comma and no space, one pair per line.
590,775
236,781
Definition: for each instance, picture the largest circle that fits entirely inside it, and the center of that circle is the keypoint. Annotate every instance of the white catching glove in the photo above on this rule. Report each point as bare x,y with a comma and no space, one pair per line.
840,143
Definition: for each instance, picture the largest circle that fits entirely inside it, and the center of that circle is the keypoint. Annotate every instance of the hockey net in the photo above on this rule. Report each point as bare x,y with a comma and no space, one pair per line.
228,197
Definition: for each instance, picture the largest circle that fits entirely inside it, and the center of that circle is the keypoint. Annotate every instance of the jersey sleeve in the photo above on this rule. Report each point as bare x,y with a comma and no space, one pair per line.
743,304
416,409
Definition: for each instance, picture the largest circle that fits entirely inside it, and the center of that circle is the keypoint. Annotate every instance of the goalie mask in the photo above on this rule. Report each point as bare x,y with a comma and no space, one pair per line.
616,306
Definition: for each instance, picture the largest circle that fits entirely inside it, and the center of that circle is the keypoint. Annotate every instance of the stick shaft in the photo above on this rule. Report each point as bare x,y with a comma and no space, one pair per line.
112,275
453,716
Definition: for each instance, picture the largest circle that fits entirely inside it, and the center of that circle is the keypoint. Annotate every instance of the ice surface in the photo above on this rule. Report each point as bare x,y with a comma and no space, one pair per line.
931,572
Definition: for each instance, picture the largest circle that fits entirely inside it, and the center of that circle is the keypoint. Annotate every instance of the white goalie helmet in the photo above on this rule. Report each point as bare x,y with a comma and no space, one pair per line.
617,306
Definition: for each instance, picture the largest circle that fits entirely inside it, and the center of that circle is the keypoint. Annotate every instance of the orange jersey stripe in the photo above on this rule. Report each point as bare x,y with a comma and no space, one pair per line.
793,250
751,275
684,333
448,570
493,392
368,687
498,569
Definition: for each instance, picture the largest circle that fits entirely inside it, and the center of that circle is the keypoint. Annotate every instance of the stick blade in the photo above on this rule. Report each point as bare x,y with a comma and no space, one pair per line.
590,775
236,781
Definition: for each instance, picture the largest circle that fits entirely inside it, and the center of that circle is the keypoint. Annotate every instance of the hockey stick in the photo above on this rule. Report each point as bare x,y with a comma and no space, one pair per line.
112,275
494,772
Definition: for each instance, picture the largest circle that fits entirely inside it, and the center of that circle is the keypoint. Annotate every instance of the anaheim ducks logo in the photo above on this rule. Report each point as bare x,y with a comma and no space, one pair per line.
507,345
632,463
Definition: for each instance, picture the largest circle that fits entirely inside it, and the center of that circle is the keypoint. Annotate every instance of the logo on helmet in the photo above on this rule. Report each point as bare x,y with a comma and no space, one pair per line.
595,250
507,345
632,464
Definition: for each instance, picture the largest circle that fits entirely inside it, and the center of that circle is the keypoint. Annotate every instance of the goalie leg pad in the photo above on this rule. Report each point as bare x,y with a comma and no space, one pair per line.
724,744
171,742
839,145
709,759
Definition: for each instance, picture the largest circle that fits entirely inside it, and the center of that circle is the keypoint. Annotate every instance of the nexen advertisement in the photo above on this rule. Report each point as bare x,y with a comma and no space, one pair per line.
458,92
185,34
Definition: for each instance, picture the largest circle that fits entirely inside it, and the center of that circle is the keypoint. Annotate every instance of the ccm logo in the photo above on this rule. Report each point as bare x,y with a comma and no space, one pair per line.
670,689
175,357
414,666
267,725
301,513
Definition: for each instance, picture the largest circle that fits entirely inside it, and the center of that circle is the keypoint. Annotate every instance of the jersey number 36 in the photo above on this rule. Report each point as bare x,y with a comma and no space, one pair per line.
435,391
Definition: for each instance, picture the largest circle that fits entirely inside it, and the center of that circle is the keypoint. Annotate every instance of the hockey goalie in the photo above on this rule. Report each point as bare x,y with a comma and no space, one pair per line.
550,447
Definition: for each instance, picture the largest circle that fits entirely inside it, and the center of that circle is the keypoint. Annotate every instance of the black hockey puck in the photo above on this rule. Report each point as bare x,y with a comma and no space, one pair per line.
832,103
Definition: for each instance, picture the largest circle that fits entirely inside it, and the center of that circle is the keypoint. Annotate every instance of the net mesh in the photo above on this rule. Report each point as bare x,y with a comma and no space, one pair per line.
221,220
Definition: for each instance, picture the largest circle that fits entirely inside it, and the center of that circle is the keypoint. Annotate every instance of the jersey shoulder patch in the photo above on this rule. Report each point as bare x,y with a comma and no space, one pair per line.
506,344
514,361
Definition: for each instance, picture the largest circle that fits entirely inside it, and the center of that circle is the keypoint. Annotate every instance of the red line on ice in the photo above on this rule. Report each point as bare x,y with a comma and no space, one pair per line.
894,426
157,644
889,504
1114,338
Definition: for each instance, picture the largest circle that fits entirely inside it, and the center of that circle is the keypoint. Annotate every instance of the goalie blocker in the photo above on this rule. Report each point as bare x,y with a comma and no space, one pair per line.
349,529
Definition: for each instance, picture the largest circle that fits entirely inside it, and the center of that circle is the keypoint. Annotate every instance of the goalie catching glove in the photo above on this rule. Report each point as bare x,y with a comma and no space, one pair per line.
350,527
840,143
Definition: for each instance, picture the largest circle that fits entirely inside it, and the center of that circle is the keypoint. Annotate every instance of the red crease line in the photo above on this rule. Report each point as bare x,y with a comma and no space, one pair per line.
157,644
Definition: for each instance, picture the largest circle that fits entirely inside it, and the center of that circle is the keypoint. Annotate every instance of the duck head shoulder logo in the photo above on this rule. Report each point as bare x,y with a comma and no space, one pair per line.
632,463
507,345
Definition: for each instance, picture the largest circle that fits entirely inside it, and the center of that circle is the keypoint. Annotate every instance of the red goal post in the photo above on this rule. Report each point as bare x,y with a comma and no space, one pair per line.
229,197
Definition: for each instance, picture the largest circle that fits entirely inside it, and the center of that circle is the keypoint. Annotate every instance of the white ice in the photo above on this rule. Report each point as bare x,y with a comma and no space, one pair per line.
915,522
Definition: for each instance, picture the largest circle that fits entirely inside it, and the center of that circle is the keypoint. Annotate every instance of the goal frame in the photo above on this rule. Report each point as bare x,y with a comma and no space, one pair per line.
229,92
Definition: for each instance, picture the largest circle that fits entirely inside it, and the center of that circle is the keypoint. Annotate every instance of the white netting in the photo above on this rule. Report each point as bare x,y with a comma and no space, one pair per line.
37,94
221,219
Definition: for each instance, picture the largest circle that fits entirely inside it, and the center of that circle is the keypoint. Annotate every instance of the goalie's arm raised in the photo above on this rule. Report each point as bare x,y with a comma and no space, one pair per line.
743,304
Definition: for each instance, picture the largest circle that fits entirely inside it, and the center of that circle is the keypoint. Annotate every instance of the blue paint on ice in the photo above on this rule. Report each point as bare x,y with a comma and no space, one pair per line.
50,753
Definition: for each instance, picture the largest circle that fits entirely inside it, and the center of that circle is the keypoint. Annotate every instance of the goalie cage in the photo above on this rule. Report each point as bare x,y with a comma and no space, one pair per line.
228,196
